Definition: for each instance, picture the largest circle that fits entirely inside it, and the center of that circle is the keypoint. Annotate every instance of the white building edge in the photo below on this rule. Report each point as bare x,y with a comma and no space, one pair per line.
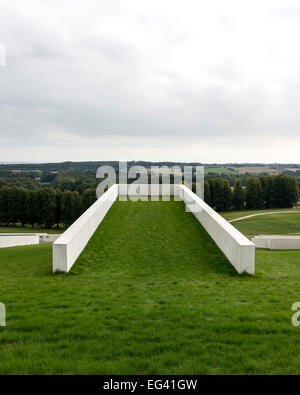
236,247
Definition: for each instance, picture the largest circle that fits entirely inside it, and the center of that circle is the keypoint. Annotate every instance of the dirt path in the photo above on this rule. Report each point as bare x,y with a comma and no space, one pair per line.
267,213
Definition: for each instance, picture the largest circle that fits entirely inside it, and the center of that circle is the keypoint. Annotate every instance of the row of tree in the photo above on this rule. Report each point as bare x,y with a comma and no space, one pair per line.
45,207
48,207
278,191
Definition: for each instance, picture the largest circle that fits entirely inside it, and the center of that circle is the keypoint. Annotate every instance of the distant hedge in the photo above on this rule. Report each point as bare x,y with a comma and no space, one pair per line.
48,207
45,207
280,191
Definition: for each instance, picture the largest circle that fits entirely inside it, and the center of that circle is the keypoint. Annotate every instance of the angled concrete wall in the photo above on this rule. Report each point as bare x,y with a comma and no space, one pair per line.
236,247
148,189
70,244
18,239
277,242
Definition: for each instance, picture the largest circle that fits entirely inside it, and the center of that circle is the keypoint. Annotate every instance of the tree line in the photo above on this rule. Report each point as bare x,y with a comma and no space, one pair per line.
280,191
45,207
49,207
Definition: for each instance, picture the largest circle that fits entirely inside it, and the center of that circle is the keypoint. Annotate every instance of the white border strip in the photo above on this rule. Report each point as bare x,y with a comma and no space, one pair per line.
18,239
71,243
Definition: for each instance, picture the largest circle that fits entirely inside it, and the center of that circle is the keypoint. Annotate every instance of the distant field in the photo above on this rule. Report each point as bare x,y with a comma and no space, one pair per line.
257,169
244,169
273,224
151,294
218,170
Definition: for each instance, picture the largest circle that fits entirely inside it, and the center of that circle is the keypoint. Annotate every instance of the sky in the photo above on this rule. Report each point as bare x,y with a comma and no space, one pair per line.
163,80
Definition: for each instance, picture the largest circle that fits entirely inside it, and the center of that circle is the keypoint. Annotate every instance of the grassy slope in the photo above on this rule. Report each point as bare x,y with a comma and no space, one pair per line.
272,224
275,224
150,294
21,229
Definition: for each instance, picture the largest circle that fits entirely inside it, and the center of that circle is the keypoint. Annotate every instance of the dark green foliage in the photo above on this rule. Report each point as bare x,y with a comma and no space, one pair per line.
254,194
13,204
4,205
221,195
71,207
46,204
207,193
279,191
58,198
31,208
66,209
77,208
21,206
88,198
44,207
227,195
238,197
286,191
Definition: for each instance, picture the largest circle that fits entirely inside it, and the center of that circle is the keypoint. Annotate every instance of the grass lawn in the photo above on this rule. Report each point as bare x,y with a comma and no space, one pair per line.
273,224
150,294
238,214
26,229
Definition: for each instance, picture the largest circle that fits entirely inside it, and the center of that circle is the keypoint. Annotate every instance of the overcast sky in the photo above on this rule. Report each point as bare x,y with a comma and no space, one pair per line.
206,81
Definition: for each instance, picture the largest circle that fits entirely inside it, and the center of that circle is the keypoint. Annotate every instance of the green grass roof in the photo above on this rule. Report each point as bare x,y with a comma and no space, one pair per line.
151,293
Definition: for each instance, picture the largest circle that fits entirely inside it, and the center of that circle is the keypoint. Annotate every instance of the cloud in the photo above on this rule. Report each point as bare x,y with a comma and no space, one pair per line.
208,81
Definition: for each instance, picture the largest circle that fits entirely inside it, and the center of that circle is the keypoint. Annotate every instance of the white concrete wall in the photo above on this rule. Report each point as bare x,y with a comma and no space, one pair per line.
18,239
148,189
261,242
277,242
48,238
70,244
236,247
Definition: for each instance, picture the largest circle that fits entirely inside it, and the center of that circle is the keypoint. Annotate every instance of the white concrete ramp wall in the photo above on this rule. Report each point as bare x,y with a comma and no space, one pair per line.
70,244
21,239
236,247
48,238
277,242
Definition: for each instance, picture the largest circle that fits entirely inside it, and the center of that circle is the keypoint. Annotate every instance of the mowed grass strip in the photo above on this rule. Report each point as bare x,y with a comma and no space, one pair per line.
271,224
229,215
152,294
